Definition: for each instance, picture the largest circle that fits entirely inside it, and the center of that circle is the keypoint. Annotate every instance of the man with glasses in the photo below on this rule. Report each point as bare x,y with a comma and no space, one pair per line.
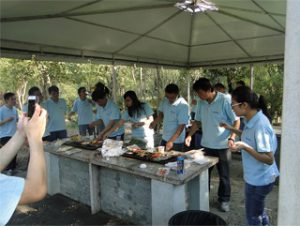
215,108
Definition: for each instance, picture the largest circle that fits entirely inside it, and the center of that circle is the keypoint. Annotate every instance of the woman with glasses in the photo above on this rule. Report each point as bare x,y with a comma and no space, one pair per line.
258,145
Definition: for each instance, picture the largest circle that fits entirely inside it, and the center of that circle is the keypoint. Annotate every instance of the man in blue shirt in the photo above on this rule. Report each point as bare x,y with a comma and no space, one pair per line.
174,111
84,108
108,114
57,108
16,190
215,108
8,125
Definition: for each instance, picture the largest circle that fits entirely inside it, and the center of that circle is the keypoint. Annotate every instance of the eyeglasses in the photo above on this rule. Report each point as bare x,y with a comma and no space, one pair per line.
233,105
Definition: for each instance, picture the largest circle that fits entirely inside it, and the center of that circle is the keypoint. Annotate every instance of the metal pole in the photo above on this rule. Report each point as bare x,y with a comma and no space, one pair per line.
251,76
114,83
188,87
289,189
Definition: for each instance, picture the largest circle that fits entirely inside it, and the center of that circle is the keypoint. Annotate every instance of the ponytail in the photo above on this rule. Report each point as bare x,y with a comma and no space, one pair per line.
245,94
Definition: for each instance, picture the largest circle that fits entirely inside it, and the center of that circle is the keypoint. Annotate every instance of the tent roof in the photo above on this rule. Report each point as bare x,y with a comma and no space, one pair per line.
143,31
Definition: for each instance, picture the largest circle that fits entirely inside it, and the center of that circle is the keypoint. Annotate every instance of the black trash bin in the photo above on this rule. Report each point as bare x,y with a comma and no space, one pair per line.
196,217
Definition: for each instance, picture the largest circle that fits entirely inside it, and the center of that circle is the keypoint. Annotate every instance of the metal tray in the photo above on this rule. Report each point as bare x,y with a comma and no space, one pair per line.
75,144
146,159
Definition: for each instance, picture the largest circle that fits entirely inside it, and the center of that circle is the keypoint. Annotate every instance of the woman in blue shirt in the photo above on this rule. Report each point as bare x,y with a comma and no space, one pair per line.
140,115
258,145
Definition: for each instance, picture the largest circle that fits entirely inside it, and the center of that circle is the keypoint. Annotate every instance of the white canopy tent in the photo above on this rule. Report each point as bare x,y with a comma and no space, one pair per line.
154,32
144,31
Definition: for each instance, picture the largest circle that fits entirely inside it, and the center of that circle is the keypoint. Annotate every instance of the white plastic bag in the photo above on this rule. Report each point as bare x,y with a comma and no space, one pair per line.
112,148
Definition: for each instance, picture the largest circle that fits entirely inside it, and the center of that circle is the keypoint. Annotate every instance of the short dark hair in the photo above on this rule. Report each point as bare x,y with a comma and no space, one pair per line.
8,95
202,84
100,86
81,89
172,88
241,83
98,94
53,89
219,85
32,90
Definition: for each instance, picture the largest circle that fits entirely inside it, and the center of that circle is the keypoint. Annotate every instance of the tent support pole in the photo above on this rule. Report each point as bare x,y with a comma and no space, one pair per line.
114,82
251,76
289,192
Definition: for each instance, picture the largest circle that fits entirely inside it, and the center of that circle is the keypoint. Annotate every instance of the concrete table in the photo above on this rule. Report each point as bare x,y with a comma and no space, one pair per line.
120,187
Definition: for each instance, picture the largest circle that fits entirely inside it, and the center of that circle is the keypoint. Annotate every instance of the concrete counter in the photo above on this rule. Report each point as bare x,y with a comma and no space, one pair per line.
120,187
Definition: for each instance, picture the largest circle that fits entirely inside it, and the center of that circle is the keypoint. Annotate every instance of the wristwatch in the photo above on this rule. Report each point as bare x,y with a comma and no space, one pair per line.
231,139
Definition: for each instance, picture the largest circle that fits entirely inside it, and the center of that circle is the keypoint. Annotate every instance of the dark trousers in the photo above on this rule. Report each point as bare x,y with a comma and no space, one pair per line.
255,204
176,147
55,135
13,164
224,189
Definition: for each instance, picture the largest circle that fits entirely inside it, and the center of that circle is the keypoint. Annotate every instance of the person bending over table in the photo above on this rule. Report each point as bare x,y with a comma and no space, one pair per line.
140,115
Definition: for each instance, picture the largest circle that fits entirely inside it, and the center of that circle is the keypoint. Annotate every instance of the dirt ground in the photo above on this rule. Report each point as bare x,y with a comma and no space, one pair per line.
60,210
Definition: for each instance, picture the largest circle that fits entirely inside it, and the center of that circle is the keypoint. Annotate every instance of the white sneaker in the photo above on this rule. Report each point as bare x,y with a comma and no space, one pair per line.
225,206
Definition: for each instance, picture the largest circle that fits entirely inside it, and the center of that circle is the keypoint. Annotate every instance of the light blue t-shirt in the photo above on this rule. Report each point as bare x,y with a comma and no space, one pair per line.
56,114
259,134
211,115
175,114
110,112
8,129
11,189
84,109
143,131
25,109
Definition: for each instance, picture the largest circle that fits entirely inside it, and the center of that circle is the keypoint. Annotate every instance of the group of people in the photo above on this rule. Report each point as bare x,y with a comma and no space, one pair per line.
217,114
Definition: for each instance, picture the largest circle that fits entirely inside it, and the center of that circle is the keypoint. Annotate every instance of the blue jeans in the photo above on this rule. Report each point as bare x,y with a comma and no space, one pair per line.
255,204
85,128
176,147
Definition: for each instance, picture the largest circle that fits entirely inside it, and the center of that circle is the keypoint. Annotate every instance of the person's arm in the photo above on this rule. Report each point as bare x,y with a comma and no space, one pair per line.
232,129
107,128
144,122
155,121
235,127
9,150
6,120
192,130
114,128
96,123
171,141
35,187
265,157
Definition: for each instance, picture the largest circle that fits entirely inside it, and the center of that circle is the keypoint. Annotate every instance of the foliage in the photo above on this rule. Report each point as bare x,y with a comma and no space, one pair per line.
149,83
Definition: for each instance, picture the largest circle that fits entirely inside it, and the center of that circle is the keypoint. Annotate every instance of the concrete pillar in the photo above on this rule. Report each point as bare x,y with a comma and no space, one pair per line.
289,189
251,76
94,173
199,192
167,199
53,175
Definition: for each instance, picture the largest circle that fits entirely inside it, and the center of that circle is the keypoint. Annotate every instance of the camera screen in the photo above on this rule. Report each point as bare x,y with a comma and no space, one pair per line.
31,106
